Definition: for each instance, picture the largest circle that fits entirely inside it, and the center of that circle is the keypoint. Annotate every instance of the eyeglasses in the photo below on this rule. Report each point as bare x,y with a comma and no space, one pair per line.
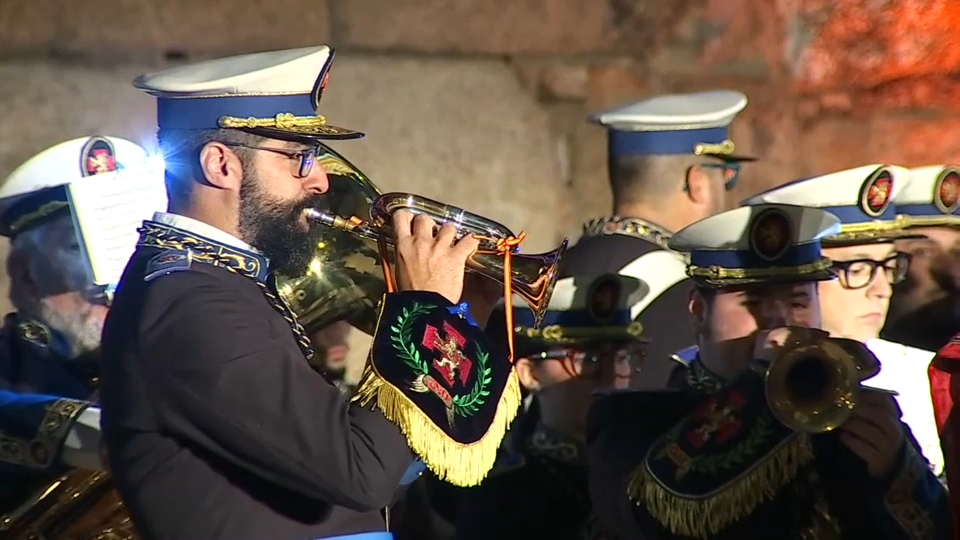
731,172
859,273
588,363
307,157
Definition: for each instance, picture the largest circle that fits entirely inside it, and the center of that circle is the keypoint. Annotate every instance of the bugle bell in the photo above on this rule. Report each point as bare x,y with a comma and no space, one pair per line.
814,387
345,279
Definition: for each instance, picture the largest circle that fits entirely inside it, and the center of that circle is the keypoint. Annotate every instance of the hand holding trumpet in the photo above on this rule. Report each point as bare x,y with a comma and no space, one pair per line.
432,259
873,430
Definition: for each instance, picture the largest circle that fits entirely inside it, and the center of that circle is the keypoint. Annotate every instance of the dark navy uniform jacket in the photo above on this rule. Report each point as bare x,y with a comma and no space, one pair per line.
215,424
636,247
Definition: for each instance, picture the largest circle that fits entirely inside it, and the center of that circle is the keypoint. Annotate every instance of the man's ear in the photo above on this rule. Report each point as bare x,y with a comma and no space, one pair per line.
221,166
527,373
698,185
697,306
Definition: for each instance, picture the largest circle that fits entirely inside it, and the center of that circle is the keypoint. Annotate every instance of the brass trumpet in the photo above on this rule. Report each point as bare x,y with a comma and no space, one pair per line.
345,279
814,387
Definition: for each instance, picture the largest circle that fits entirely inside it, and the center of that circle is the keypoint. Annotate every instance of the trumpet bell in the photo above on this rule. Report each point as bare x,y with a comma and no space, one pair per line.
813,388
345,278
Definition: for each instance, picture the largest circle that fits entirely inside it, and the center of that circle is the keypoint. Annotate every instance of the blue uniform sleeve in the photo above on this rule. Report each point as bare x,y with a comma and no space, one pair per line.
33,429
912,502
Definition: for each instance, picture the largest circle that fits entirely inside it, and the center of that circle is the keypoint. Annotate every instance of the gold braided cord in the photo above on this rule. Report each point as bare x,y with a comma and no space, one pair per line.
912,222
720,273
703,517
556,333
281,121
724,148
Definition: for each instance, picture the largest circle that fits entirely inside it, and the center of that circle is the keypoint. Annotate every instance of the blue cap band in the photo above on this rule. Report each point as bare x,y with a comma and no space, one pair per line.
921,210
852,215
205,113
747,260
652,143
570,319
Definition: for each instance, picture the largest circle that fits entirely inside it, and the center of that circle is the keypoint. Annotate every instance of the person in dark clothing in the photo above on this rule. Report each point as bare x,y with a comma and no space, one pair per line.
671,162
216,426
717,460
49,346
925,307
539,487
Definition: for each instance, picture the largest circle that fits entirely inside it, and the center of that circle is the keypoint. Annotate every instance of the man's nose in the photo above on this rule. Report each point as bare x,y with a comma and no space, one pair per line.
317,181
774,314
879,286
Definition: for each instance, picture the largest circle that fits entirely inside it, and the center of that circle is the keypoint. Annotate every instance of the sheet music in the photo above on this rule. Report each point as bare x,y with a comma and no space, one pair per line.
107,211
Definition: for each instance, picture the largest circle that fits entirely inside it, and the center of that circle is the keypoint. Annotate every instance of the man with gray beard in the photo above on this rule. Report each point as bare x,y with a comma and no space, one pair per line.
49,346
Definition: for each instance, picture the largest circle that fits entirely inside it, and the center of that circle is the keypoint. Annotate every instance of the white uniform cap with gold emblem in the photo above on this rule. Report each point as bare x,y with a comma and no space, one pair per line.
863,199
931,198
275,94
37,190
757,244
675,124
583,309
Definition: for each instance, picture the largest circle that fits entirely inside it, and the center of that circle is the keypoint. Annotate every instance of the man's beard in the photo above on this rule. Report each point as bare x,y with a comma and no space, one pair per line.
82,329
274,227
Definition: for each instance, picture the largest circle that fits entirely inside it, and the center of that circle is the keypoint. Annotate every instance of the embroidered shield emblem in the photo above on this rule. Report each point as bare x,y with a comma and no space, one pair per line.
770,234
946,192
97,157
603,298
441,365
876,193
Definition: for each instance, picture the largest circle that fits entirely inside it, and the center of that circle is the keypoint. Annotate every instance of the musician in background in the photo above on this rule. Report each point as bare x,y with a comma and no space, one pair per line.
713,460
868,266
215,423
539,487
332,348
49,346
925,310
671,162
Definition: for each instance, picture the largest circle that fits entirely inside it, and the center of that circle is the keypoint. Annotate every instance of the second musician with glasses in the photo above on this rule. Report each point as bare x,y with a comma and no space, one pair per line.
868,265
587,343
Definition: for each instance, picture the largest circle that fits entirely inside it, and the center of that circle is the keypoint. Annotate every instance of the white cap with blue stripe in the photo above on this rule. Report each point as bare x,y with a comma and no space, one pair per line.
583,309
757,244
932,198
276,94
675,124
862,197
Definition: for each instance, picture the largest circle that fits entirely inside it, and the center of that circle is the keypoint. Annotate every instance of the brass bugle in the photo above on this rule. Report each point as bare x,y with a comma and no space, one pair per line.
815,387
532,276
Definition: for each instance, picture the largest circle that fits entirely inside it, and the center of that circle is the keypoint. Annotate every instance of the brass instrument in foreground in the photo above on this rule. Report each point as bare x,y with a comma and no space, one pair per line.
345,279
815,387
79,505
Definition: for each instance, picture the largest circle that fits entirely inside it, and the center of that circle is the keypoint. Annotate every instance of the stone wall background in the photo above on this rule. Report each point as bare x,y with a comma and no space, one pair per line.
483,103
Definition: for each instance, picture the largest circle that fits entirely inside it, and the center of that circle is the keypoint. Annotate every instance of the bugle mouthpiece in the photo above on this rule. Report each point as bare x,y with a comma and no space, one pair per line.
315,215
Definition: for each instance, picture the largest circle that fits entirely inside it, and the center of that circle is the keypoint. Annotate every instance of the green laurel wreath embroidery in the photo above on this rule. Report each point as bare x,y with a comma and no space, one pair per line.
741,453
401,335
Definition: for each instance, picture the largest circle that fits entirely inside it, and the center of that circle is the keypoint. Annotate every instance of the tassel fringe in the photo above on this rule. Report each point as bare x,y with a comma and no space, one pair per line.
704,517
463,465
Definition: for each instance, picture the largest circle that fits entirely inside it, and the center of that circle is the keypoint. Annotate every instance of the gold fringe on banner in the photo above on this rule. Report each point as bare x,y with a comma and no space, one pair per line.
463,465
701,517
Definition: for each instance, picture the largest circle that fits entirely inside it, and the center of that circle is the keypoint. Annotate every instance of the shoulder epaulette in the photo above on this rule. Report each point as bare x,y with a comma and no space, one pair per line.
167,262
